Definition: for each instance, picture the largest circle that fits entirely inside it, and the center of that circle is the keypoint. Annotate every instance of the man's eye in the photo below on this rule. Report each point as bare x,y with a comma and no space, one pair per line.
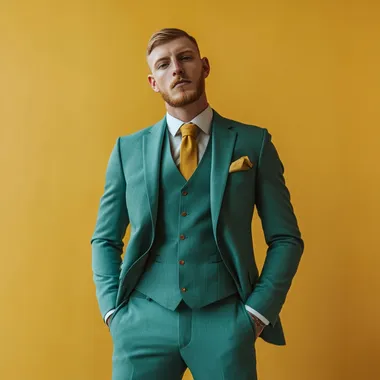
163,65
185,57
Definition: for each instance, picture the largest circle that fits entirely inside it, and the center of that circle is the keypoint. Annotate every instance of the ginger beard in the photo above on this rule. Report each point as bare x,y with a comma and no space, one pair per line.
184,97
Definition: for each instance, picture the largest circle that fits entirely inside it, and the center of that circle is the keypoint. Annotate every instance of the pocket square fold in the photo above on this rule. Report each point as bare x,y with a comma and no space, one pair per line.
242,163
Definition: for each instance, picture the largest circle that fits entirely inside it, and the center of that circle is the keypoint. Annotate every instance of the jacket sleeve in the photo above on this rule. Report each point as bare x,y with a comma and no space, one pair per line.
107,240
282,235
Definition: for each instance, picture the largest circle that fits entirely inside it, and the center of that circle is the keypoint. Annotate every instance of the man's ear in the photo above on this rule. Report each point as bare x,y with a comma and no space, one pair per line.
153,83
206,66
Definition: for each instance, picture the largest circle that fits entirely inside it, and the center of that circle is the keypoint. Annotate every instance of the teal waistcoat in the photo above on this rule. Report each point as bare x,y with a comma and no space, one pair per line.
184,261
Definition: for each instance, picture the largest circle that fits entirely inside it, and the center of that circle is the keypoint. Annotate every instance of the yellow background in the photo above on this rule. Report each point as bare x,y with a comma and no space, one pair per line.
73,79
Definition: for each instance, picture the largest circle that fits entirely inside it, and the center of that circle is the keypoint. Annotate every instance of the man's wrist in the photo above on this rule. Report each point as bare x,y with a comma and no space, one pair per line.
259,324
108,316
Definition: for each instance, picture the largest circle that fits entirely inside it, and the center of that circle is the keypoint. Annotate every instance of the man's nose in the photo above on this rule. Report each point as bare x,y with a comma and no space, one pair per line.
177,68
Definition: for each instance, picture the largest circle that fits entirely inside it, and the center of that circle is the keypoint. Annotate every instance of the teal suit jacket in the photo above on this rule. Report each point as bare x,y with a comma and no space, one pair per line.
131,196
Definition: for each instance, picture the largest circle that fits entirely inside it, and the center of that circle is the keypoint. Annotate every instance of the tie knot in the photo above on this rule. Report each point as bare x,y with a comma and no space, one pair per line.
189,129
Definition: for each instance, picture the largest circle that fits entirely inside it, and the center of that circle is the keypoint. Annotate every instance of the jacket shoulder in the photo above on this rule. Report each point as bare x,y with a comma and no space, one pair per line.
250,134
135,135
249,129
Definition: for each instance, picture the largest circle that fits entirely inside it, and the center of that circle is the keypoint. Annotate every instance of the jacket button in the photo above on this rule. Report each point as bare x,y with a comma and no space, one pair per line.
184,213
184,193
183,289
182,237
181,262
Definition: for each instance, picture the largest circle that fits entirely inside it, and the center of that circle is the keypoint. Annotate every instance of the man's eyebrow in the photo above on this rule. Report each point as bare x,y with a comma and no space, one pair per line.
181,52
186,51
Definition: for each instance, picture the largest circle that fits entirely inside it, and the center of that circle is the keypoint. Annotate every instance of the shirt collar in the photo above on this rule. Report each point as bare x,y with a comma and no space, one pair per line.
202,120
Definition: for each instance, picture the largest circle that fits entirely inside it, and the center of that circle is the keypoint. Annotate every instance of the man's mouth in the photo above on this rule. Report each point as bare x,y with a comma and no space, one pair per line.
181,82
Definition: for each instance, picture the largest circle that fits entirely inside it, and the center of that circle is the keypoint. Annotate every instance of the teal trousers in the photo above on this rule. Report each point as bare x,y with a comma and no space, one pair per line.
152,342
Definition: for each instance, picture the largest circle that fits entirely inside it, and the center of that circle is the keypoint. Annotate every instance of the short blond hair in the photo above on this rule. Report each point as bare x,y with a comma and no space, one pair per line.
166,35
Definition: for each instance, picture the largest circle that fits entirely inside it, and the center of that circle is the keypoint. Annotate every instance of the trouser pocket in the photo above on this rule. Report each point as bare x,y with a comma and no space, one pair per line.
116,314
248,316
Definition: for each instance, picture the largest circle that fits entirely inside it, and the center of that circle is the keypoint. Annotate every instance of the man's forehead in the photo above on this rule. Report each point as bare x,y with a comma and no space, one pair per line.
173,47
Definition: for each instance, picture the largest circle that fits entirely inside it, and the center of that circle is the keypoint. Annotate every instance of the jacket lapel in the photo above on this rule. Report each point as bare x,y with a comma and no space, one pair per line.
152,148
223,142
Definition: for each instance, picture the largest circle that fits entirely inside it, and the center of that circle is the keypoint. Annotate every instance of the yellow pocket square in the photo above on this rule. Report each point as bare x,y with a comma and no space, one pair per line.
243,163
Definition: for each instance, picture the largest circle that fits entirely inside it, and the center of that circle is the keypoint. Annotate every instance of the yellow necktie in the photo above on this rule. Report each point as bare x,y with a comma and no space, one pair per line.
188,154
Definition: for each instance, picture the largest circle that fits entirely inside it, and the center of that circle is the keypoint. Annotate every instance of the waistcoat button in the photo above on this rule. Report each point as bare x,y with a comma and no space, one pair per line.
183,289
181,262
184,192
184,213
182,237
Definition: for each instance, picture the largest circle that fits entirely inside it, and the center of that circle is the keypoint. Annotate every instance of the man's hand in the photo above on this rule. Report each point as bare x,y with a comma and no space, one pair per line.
259,324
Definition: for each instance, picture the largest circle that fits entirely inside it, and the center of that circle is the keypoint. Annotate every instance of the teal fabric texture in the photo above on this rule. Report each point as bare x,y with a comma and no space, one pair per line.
191,268
217,342
136,175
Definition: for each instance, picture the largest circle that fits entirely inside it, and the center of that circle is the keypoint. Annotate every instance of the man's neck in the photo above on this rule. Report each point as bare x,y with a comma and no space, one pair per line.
187,113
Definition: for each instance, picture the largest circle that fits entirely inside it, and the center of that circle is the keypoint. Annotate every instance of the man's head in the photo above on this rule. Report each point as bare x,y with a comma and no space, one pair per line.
178,72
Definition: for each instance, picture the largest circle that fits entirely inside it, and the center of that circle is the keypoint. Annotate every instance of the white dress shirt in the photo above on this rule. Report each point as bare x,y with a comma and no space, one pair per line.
203,121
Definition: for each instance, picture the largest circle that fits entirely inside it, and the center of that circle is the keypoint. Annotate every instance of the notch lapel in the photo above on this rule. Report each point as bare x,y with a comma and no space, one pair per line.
152,148
223,142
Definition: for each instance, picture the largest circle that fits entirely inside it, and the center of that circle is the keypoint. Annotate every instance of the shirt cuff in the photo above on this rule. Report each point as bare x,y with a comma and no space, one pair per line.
108,314
257,314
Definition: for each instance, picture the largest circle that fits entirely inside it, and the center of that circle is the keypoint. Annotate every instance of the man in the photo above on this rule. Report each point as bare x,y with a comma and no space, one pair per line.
188,292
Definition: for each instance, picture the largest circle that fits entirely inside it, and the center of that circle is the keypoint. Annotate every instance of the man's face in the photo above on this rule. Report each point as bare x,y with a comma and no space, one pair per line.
178,72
